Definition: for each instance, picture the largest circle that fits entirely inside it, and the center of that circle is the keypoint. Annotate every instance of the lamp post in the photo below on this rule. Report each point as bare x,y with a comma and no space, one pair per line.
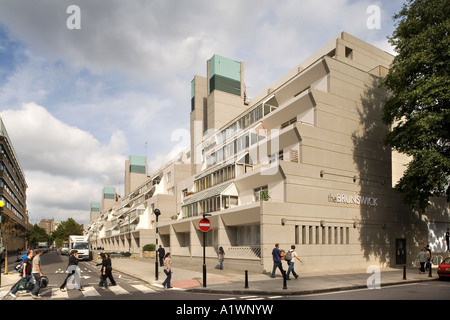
157,213
204,227
1,237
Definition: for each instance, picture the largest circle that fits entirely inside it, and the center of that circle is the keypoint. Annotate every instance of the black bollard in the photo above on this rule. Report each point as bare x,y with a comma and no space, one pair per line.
284,280
246,279
429,274
404,272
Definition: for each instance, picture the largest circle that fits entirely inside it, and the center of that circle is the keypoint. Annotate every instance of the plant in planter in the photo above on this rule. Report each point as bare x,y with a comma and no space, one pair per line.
148,251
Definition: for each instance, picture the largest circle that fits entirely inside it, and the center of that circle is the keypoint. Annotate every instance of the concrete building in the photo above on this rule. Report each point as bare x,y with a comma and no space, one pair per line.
13,188
303,163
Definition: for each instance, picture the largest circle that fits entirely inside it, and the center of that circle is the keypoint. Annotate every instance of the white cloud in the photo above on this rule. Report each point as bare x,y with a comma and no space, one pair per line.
65,167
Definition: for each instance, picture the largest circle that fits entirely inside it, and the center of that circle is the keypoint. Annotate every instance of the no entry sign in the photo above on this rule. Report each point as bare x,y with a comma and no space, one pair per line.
204,225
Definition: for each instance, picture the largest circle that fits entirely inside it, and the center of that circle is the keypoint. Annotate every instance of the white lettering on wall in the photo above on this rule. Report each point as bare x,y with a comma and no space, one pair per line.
353,199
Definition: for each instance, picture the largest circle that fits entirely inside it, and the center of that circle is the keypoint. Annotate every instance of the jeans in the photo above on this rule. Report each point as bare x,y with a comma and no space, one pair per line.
291,268
36,288
277,264
167,281
28,278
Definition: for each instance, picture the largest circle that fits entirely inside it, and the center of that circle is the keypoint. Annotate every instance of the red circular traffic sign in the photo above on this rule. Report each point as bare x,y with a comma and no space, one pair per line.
204,225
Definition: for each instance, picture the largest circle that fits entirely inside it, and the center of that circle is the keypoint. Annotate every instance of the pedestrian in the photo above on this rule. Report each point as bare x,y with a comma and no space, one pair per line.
293,256
107,271
2,257
26,273
37,273
447,239
428,250
167,270
221,257
26,255
422,259
72,269
161,254
103,263
276,254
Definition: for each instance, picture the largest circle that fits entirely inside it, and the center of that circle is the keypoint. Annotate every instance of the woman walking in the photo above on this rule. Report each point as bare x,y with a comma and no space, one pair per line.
107,270
72,269
167,270
221,258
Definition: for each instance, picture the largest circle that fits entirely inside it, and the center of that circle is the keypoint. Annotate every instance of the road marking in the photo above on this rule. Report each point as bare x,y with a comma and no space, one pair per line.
58,294
90,292
118,290
143,288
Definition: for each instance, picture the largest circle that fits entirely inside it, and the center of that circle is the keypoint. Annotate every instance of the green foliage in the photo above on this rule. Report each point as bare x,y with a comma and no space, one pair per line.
38,234
149,247
418,108
65,229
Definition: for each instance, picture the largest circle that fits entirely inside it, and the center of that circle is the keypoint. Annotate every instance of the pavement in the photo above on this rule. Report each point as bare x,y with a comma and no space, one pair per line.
189,277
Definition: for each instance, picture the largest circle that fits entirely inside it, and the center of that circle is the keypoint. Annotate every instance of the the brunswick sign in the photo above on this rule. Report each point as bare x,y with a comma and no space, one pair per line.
353,199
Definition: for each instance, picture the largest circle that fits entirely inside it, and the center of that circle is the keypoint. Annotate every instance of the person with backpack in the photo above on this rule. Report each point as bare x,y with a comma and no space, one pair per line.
289,258
26,275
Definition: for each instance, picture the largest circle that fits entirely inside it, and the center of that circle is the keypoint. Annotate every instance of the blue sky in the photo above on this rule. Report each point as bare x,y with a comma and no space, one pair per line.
77,103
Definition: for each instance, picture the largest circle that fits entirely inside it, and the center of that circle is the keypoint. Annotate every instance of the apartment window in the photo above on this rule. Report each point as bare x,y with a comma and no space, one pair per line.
348,52
168,176
261,193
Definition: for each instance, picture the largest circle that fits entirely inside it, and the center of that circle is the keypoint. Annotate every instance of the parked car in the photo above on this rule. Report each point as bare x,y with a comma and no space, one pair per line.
443,270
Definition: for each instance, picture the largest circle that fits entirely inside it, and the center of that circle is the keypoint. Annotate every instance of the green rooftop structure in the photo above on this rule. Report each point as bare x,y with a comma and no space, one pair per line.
109,192
225,75
137,164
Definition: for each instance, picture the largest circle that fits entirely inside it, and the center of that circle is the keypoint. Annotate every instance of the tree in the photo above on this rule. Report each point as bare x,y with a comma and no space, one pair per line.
418,107
65,229
38,234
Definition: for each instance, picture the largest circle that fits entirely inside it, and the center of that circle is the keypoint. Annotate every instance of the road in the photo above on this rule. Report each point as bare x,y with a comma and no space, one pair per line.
129,288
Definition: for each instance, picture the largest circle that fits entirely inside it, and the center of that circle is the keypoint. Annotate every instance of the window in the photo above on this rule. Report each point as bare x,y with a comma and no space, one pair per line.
261,194
348,52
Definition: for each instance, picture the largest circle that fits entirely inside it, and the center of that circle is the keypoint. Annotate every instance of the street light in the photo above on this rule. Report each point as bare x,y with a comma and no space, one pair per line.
157,213
2,204
204,251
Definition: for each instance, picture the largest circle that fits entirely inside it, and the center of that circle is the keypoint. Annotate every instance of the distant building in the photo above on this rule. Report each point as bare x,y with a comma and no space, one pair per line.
13,188
48,224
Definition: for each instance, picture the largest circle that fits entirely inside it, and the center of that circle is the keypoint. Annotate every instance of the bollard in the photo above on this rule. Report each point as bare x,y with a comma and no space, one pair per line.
404,272
429,274
246,279
284,280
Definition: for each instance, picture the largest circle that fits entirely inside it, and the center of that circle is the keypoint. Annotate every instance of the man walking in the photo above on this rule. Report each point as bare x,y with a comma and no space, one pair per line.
37,273
161,254
291,263
422,259
276,254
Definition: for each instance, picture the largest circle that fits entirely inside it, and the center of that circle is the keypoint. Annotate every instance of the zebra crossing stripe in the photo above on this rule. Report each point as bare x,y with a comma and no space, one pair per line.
118,290
143,288
58,294
90,292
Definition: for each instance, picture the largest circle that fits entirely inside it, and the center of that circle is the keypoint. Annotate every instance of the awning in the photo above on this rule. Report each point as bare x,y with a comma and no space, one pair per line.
226,189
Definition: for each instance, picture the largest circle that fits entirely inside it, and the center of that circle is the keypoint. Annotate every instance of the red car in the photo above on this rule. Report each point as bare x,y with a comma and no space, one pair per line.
443,270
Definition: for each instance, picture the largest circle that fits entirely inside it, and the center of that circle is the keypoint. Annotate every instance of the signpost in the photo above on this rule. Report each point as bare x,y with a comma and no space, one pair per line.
157,214
204,226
